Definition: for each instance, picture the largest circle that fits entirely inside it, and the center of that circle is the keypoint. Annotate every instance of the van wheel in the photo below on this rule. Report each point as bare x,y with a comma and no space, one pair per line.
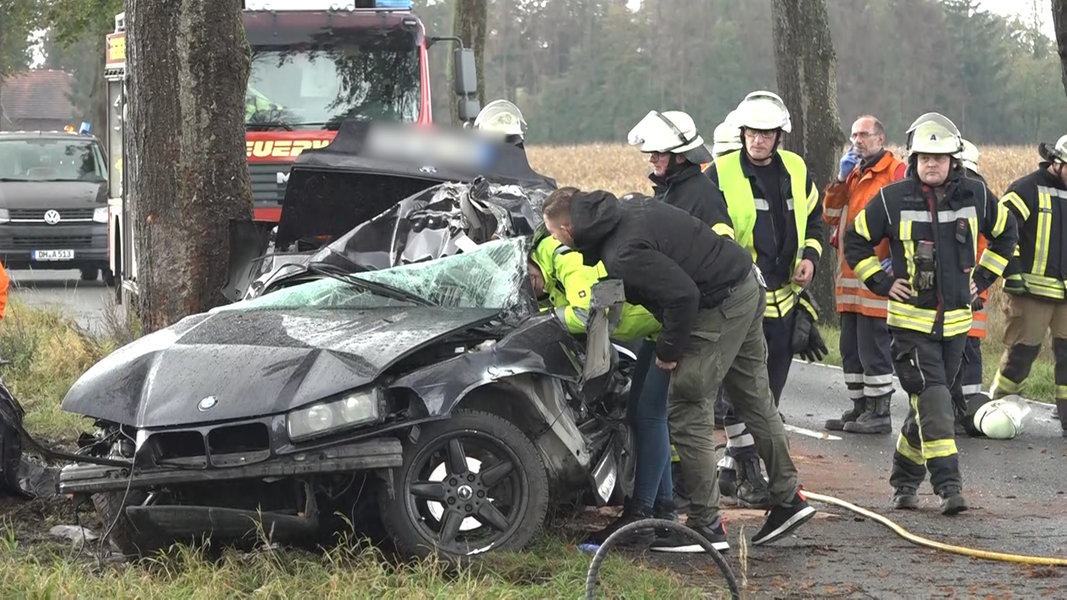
90,274
109,277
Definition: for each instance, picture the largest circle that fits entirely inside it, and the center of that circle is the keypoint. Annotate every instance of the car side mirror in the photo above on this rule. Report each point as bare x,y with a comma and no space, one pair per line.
465,84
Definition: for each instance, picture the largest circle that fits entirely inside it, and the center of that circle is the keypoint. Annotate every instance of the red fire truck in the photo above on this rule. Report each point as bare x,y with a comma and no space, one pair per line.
312,67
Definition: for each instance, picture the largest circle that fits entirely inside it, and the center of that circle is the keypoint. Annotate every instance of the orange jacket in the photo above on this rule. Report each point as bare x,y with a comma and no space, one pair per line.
979,316
4,281
841,203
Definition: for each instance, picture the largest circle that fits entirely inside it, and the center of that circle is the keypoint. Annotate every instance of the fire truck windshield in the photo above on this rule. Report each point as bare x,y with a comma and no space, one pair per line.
320,80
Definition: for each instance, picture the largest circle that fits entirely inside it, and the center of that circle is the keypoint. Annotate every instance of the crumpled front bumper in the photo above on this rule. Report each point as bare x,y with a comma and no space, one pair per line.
377,453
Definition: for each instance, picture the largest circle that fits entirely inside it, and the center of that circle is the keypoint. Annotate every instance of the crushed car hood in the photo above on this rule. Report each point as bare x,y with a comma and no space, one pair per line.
256,362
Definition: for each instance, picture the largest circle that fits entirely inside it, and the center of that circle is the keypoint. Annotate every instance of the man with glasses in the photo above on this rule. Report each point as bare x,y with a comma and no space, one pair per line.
775,214
868,367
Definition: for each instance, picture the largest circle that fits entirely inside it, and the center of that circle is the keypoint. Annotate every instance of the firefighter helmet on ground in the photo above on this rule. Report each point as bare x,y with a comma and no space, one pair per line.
969,156
501,116
934,133
727,135
671,131
764,110
1054,153
1001,419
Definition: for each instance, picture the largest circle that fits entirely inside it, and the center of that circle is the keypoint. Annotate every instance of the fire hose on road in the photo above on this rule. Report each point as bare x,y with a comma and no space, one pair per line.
731,580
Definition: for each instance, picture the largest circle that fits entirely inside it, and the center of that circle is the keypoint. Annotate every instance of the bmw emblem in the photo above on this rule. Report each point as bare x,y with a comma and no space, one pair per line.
207,403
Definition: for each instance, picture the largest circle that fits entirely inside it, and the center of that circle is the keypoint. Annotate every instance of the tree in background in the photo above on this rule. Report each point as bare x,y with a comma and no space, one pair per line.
468,24
18,19
807,78
188,69
1059,20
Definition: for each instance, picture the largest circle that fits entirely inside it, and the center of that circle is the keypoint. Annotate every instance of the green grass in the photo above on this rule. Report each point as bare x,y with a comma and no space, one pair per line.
551,569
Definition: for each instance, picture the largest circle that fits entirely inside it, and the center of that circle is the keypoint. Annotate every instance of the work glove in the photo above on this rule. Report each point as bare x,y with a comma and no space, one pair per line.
848,162
807,342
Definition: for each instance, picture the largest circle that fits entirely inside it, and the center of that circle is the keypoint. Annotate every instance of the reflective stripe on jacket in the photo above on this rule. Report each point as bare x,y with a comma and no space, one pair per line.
903,213
569,284
1039,203
742,205
842,202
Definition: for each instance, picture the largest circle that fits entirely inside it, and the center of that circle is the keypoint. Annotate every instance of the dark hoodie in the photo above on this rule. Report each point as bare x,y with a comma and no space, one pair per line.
692,193
669,261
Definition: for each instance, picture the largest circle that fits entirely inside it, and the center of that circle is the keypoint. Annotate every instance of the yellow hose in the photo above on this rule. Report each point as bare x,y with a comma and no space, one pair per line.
1016,558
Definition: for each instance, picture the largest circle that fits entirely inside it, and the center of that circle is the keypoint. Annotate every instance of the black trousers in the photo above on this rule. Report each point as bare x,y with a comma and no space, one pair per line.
926,367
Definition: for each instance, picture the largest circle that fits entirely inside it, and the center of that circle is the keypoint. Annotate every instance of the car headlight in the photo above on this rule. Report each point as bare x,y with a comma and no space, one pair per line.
353,409
100,215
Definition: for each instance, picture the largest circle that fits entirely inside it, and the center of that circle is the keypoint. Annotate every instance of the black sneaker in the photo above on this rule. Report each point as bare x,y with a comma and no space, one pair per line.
680,543
784,518
640,538
952,502
905,498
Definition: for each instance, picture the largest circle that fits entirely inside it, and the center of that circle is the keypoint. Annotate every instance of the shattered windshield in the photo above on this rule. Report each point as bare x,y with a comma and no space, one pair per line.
43,159
492,276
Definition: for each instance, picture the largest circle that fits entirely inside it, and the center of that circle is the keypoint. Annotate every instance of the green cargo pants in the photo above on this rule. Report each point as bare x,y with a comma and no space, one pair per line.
727,346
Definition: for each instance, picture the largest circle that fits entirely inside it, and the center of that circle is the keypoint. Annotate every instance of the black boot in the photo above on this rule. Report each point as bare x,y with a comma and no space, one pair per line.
752,489
859,404
875,419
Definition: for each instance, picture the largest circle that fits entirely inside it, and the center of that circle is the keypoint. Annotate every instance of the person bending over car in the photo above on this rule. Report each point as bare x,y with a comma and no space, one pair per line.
710,298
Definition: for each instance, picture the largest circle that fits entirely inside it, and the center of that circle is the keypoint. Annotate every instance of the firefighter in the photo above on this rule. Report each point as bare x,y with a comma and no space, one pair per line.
867,366
504,118
1037,277
676,150
967,393
932,219
775,214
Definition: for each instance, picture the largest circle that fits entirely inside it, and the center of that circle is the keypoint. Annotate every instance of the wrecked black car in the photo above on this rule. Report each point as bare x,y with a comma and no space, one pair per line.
431,398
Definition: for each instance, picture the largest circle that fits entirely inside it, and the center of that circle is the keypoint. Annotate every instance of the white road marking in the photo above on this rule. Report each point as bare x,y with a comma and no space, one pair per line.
820,435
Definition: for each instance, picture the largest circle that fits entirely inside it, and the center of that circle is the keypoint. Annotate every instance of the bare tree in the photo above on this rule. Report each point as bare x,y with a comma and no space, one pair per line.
468,24
806,65
188,65
1059,22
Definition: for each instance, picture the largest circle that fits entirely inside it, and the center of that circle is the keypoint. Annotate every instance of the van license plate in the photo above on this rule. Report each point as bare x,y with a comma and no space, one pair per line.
53,255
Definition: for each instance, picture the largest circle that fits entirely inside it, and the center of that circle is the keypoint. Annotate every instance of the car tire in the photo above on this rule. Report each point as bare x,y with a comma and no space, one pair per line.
440,501
127,539
108,277
90,274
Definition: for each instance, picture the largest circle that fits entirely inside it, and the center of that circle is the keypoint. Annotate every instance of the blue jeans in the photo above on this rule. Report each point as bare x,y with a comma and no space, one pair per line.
652,444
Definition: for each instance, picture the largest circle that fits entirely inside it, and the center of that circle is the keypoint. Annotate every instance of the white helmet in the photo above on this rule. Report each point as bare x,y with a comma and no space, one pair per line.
670,131
727,135
1001,419
934,133
1056,153
764,110
501,116
969,156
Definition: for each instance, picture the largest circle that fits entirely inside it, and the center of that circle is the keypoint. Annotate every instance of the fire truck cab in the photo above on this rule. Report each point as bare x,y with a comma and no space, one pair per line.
312,68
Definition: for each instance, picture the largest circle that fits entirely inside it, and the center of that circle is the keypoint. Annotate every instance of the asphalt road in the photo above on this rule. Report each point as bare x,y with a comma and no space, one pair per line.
1017,491
84,301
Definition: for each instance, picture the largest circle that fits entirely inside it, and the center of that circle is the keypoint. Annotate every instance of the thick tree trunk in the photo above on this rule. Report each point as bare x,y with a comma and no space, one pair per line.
188,65
806,66
468,24
1059,22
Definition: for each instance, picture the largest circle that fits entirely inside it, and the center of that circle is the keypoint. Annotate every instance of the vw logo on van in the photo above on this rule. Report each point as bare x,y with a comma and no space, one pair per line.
51,217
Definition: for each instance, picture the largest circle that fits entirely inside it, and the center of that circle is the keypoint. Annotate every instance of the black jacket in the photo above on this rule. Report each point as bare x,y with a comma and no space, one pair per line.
669,262
690,191
907,213
1024,199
